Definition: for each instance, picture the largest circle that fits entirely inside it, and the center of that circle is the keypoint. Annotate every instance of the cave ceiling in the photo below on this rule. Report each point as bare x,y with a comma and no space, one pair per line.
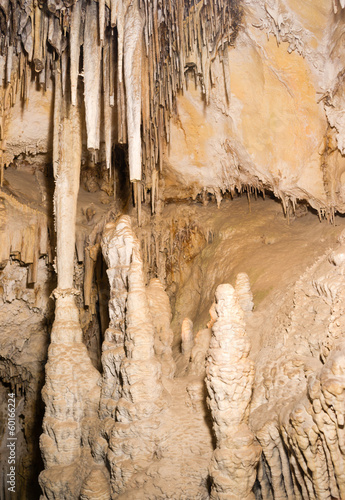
208,96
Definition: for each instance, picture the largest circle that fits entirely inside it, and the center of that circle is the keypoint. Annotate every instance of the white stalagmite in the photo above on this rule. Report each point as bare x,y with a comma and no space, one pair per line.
92,77
229,380
132,65
199,352
187,337
132,389
74,49
161,318
243,292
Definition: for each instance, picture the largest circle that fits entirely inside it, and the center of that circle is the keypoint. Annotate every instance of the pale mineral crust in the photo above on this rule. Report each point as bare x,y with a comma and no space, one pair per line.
150,153
229,380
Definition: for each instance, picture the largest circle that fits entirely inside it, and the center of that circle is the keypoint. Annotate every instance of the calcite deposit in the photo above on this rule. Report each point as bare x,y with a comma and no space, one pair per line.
172,249
306,429
229,380
137,398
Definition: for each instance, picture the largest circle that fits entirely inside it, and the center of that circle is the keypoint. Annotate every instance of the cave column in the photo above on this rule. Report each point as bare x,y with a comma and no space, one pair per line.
71,392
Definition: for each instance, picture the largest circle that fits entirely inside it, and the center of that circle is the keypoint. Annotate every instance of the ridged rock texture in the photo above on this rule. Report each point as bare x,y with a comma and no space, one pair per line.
137,341
175,101
229,380
297,410
22,361
71,392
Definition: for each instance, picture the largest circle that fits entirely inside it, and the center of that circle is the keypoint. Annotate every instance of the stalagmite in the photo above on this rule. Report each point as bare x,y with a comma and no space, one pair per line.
159,305
229,379
199,352
243,292
132,389
187,337
153,89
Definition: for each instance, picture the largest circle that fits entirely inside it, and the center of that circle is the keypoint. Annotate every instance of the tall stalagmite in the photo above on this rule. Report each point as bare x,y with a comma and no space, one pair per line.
132,392
229,380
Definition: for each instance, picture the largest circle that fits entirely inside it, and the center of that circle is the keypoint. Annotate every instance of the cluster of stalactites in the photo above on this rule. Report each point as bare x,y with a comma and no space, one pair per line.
136,58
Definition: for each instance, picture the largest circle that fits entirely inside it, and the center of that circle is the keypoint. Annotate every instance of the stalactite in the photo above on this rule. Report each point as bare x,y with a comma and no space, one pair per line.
67,167
38,47
101,19
2,69
112,72
64,66
74,49
108,110
132,71
9,64
92,77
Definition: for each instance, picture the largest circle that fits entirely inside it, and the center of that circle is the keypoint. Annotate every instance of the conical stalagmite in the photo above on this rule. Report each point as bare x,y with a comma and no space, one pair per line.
229,380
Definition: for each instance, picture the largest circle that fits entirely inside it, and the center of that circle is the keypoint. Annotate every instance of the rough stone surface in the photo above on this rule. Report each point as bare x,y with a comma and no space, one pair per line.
154,390
229,380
